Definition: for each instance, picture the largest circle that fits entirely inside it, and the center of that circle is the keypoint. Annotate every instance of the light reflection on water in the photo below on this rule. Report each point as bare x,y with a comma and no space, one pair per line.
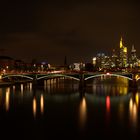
108,107
34,107
101,102
21,86
133,110
82,112
7,99
42,104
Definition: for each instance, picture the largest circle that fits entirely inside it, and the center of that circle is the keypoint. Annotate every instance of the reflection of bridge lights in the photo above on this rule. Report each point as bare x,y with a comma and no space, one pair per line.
7,99
21,88
0,77
137,98
42,104
83,104
133,112
30,85
34,107
122,90
107,109
83,114
108,103
130,104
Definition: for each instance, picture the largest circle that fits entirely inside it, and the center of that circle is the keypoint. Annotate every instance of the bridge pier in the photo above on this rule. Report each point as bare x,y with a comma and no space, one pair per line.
34,81
133,84
82,83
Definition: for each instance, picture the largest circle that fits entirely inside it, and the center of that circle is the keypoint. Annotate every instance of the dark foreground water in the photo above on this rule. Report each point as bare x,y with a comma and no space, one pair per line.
57,110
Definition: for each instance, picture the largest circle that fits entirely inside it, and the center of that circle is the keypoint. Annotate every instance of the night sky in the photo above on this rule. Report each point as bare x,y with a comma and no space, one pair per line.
79,29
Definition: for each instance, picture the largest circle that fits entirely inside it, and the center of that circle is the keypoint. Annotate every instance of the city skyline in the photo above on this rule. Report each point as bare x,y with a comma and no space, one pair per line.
76,29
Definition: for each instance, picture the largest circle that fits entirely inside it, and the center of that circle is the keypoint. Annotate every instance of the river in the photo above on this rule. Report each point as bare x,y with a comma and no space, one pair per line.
57,109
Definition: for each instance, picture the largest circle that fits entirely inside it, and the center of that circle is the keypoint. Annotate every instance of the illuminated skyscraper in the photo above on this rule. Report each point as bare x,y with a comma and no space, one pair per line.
123,54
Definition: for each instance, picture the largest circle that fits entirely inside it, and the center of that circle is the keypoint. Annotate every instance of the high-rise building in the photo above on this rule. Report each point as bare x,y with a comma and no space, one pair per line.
100,60
123,54
103,61
114,59
133,53
133,59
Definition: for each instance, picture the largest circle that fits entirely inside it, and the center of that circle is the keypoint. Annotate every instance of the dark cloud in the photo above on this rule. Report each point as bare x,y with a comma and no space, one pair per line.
79,29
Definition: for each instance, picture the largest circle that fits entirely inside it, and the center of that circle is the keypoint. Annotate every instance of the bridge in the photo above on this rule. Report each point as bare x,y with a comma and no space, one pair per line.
79,76
72,75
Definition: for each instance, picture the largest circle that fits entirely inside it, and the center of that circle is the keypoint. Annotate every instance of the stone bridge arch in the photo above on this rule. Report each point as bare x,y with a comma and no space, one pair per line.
17,75
108,74
57,75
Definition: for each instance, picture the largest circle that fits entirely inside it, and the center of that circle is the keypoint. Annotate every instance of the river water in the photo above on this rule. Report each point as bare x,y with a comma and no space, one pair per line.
107,108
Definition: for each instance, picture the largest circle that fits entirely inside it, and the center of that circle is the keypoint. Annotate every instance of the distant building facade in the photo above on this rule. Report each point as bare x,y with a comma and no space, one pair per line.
6,63
77,66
